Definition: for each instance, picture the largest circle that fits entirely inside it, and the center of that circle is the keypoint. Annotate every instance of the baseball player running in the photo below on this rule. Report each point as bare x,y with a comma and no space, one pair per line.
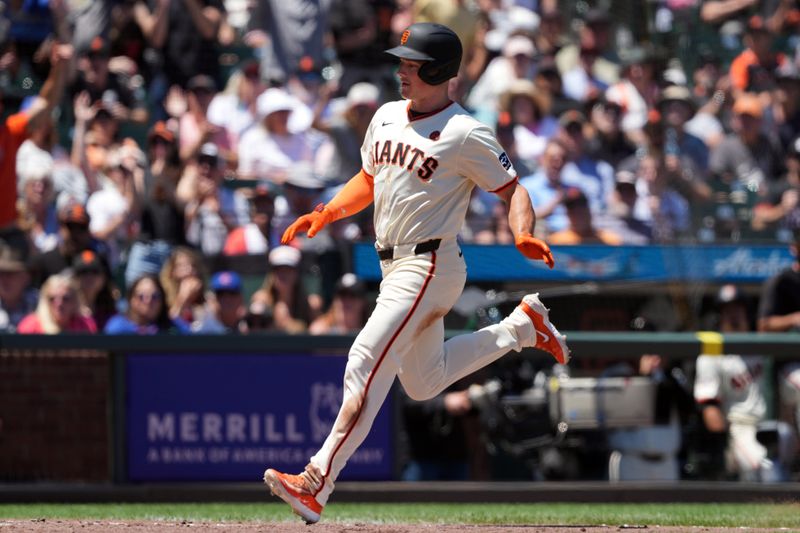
421,158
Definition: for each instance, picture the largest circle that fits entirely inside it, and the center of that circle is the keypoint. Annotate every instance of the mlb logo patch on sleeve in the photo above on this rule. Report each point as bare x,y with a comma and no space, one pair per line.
505,161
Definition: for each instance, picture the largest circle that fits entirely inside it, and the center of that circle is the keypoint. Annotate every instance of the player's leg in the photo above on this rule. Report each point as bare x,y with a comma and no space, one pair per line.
407,293
432,365
749,455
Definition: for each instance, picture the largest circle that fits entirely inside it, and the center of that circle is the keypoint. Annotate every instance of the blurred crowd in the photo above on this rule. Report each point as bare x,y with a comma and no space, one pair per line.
143,137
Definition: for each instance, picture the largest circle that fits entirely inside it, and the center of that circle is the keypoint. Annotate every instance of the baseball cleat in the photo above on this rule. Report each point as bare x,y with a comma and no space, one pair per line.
294,491
547,337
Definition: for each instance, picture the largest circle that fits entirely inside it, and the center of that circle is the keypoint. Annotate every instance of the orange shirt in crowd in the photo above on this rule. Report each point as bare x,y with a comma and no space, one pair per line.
740,69
12,134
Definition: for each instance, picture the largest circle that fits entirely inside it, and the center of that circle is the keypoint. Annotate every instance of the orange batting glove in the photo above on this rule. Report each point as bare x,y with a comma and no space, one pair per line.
310,223
534,248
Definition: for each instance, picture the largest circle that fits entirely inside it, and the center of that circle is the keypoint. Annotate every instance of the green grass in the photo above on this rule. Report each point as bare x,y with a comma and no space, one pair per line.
711,515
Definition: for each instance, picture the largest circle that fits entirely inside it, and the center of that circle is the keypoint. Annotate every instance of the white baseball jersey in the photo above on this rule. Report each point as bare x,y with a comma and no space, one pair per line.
424,170
734,382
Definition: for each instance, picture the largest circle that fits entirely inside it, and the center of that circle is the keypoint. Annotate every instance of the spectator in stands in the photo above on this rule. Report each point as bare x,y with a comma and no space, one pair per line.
17,297
74,236
283,292
106,88
348,310
551,36
195,129
548,81
216,210
58,310
36,205
224,311
779,306
637,92
747,157
147,312
96,291
14,130
286,41
517,62
580,82
114,210
622,217
347,130
581,228
85,21
185,32
361,32
162,210
234,109
268,150
547,189
183,279
593,176
754,69
258,318
676,108
782,206
256,236
594,34
92,141
658,203
712,95
528,110
41,150
719,11
786,104
606,140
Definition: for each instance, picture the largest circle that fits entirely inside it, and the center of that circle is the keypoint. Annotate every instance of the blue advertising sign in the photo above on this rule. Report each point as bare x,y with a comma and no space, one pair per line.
719,264
228,417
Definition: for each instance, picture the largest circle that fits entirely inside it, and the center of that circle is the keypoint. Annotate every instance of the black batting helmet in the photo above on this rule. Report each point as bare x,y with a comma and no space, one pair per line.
435,44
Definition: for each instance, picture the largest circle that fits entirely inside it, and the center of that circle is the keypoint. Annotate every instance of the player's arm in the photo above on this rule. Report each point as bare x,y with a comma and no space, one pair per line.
713,418
522,221
355,196
778,323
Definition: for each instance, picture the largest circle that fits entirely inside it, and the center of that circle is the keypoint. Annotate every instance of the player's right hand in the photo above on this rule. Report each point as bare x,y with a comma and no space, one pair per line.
310,224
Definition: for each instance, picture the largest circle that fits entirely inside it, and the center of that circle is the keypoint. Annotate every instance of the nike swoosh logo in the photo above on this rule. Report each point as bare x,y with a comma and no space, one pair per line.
546,336
387,123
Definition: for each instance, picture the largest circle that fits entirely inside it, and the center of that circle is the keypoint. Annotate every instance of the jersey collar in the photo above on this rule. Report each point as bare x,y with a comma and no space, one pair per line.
425,115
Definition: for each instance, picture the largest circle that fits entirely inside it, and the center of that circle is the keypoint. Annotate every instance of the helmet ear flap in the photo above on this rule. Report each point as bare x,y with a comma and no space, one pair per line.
437,72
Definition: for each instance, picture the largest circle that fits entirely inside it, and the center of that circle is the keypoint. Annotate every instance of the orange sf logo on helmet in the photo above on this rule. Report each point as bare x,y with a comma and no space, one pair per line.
404,37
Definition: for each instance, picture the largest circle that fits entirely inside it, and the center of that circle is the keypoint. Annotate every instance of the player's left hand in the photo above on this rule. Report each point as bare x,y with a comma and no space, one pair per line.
534,248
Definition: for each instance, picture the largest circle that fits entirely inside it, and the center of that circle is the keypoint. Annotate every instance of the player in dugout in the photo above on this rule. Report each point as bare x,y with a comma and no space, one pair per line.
421,158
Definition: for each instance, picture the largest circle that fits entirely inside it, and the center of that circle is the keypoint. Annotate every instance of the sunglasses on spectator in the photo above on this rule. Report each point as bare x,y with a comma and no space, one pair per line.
207,160
65,298
148,296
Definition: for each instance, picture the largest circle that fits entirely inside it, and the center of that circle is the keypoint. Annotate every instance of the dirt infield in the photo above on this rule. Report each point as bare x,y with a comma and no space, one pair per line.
119,526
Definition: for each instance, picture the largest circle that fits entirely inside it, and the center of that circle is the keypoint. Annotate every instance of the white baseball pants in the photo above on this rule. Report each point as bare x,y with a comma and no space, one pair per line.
404,337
